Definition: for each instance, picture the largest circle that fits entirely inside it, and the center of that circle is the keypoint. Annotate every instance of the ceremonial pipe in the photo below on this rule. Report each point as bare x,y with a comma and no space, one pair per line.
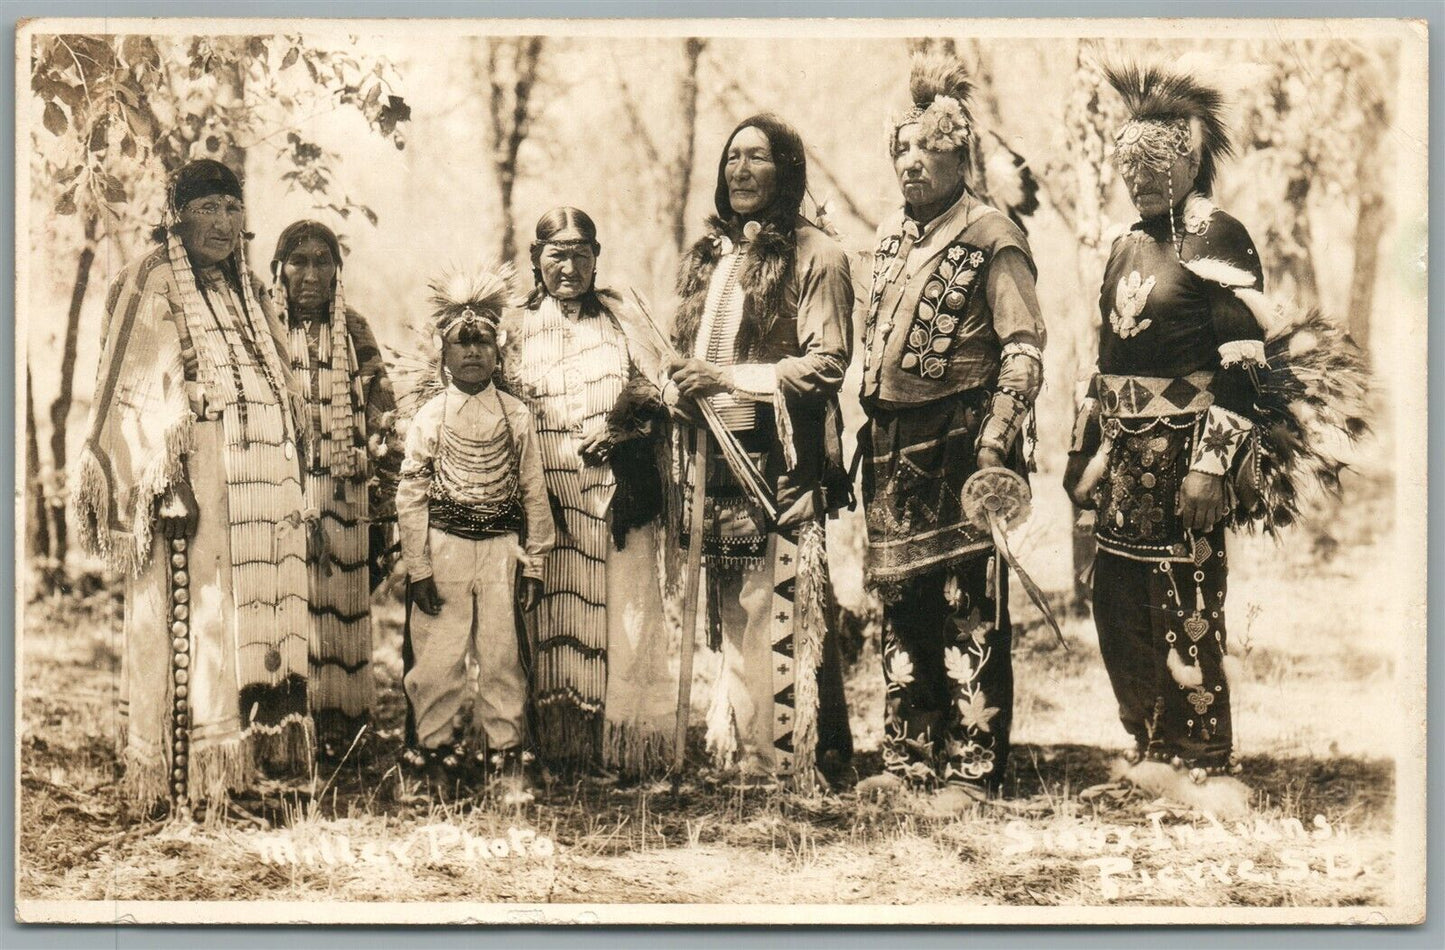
733,454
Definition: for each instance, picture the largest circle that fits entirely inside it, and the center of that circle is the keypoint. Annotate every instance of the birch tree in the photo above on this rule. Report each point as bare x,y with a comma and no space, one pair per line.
120,113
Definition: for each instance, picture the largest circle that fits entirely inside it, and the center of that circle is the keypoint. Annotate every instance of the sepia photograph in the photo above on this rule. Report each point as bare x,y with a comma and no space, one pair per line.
721,471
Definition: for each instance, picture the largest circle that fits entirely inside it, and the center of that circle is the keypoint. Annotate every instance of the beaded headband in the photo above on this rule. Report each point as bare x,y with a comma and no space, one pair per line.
484,323
1152,144
943,125
569,243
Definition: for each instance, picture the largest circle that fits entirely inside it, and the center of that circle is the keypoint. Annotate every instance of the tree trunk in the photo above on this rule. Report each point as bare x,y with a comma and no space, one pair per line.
1370,222
37,520
687,145
1298,260
983,85
60,408
511,118
1087,145
1373,214
506,179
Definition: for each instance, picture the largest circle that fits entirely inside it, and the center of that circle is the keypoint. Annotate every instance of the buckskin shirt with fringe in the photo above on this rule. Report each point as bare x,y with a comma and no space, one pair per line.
196,388
778,702
605,671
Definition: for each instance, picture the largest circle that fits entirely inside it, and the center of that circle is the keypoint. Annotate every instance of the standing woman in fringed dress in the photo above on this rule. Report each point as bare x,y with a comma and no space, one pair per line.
350,466
605,675
190,484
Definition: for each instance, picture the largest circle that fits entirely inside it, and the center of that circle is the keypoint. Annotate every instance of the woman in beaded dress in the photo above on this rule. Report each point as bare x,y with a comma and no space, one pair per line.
351,463
189,483
605,676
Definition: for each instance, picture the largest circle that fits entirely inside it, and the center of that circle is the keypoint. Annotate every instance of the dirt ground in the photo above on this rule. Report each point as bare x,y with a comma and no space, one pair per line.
1319,646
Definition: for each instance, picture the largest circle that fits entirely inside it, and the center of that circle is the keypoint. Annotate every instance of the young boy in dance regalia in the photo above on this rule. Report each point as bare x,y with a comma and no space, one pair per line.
471,508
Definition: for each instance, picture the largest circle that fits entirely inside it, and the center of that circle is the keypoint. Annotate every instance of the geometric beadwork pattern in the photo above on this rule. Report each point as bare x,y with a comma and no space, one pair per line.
1135,397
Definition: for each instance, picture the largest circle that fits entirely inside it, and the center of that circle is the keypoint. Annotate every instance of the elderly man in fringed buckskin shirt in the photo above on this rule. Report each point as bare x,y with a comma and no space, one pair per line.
764,329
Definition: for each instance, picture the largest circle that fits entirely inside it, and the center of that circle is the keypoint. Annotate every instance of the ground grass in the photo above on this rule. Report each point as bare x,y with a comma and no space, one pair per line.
1315,728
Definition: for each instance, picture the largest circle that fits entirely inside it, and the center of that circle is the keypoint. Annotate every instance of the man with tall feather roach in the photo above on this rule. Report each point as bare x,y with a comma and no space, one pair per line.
953,362
1197,419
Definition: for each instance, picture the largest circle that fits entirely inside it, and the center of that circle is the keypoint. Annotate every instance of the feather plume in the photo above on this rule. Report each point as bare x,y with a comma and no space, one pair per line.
416,377
1157,91
939,74
1190,677
1312,404
1220,272
1233,672
485,289
1006,182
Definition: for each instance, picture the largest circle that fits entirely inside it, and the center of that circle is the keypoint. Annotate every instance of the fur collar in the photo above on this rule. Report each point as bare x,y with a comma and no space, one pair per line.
767,268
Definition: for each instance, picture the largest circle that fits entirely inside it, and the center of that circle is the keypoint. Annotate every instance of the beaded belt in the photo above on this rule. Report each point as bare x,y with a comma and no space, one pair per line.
474,524
1135,397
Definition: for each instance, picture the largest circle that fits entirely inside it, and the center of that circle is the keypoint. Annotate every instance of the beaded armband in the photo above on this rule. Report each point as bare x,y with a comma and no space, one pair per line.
1020,376
755,381
1221,436
1021,368
1242,353
1006,412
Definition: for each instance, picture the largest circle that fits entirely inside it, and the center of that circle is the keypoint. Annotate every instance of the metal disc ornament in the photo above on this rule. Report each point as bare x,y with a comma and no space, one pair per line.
996,493
996,500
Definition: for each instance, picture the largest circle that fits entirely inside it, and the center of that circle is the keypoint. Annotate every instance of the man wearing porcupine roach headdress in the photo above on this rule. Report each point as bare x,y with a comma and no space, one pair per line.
952,364
472,510
1199,418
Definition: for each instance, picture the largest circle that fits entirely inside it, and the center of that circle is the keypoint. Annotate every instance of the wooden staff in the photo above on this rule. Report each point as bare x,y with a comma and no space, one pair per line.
692,583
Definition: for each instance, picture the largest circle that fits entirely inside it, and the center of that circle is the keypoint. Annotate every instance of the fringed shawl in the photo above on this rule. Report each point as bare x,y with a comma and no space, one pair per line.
170,357
150,387
141,418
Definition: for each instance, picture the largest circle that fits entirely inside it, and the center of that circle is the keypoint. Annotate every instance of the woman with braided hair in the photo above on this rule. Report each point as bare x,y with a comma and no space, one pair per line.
604,677
350,462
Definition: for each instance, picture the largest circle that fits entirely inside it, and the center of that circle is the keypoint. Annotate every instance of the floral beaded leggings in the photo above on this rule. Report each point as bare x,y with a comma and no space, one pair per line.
949,676
1162,636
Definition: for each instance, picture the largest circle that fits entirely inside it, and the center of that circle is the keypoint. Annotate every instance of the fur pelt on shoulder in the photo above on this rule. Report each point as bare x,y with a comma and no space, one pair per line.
766,270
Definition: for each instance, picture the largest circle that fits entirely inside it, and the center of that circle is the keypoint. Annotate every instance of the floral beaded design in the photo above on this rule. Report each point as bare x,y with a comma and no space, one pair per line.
1137,497
946,719
941,308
